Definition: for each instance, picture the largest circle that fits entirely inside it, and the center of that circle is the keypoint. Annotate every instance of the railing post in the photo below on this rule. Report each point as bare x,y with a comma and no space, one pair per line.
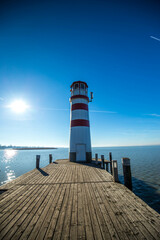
115,170
110,159
107,166
96,158
37,161
50,158
102,161
127,173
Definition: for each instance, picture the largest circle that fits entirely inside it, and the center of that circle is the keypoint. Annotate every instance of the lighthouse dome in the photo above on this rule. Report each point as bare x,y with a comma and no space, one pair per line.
79,88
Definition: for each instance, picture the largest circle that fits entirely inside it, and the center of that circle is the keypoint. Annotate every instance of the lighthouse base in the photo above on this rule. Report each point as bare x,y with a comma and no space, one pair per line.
72,157
88,157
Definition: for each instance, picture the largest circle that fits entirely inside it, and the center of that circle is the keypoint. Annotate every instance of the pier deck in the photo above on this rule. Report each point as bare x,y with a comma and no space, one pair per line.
73,201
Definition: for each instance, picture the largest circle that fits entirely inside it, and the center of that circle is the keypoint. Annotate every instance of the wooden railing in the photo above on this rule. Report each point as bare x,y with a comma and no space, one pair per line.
105,164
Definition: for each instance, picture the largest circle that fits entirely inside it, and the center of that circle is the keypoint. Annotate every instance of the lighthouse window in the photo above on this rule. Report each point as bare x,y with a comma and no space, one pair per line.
82,85
76,86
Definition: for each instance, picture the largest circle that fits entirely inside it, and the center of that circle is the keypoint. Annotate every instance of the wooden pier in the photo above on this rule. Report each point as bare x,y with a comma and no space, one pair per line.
68,200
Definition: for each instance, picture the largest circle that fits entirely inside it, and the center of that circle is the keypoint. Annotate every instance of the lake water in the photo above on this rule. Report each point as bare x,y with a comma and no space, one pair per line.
145,166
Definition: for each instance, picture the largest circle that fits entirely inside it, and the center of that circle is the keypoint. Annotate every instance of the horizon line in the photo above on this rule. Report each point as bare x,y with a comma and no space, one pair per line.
142,145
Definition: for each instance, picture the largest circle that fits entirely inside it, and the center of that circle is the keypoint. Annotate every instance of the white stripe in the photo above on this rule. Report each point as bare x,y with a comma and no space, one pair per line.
79,100
79,114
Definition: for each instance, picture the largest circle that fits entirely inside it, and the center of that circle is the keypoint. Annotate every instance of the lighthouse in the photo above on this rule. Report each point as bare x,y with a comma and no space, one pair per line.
80,140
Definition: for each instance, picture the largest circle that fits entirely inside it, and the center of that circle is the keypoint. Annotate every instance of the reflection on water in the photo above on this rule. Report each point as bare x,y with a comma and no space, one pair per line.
10,175
9,154
7,163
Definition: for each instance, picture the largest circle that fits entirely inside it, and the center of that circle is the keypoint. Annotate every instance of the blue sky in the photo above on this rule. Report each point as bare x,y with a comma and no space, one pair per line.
112,45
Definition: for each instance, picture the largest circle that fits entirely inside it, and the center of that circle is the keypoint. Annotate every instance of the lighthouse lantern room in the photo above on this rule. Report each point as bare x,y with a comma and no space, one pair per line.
80,141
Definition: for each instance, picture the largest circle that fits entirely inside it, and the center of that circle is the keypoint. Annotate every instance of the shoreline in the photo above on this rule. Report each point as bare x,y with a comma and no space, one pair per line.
34,148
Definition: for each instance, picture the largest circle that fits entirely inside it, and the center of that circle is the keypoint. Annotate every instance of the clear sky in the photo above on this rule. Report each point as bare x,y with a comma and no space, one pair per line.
112,45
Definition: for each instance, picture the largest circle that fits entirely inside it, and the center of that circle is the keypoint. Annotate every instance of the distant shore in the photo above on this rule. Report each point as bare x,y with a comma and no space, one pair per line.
34,148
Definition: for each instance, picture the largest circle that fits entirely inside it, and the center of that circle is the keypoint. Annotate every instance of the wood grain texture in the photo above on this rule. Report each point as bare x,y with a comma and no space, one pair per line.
67,200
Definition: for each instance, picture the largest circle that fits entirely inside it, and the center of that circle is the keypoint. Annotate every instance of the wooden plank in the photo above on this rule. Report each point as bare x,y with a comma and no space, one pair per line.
10,193
27,213
49,214
17,222
11,196
94,218
80,226
102,224
11,211
61,216
74,201
107,218
68,215
33,217
16,213
80,174
87,218
108,205
42,215
129,214
74,214
55,216
120,215
145,227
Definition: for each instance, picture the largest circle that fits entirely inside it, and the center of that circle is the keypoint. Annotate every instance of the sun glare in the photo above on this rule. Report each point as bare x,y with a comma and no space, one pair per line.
19,106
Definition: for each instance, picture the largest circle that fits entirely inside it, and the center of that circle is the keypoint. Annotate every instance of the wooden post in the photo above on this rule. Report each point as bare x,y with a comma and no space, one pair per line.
96,158
127,173
107,166
102,161
50,158
37,161
115,170
110,159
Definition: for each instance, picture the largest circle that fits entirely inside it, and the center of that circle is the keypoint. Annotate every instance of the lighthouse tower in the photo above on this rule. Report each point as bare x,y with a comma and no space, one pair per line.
80,141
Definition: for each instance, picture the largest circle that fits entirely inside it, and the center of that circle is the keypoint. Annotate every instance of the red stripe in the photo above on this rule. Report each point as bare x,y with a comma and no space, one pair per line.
79,123
80,96
77,106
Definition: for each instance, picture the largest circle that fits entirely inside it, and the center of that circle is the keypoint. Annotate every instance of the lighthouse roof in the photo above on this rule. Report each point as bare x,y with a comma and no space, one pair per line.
79,82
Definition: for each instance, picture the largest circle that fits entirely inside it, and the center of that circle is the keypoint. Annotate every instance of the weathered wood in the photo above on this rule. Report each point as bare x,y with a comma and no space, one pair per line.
115,170
50,158
74,201
58,204
124,229
110,159
96,158
37,161
74,218
127,173
102,161
106,163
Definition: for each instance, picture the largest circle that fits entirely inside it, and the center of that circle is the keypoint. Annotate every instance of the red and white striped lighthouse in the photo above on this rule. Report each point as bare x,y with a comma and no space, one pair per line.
80,141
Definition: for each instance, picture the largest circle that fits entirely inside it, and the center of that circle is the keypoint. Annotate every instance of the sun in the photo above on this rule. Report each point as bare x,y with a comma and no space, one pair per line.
19,106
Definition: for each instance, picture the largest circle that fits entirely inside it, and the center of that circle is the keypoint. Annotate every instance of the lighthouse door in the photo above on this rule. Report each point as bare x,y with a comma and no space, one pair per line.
80,152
